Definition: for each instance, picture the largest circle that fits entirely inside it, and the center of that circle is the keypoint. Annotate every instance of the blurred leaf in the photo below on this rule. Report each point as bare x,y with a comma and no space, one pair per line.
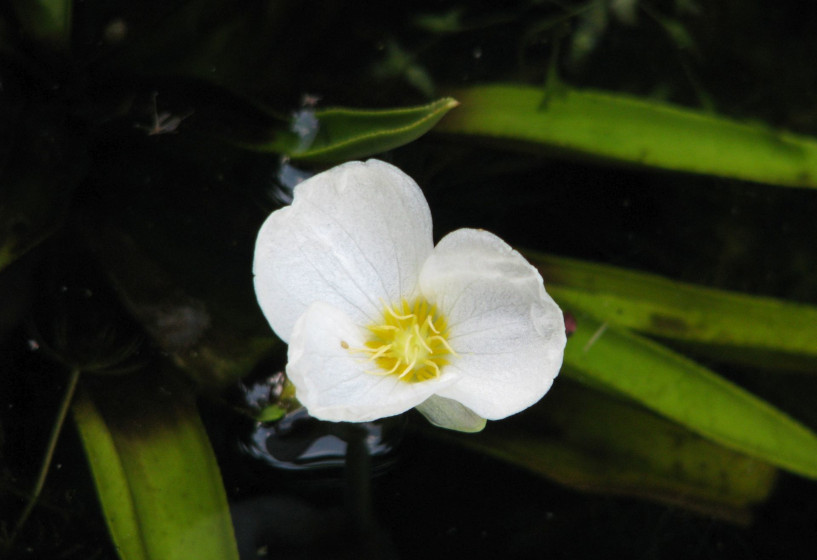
632,131
46,20
206,337
459,20
41,164
724,325
610,358
17,291
676,31
271,413
590,29
591,441
445,22
337,134
397,63
176,240
624,10
219,42
154,470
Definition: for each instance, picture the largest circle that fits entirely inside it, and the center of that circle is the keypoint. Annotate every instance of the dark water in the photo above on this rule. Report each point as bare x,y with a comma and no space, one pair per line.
83,185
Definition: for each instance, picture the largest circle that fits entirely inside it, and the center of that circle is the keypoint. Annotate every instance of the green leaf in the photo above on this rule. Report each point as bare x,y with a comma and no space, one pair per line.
614,359
337,134
271,413
46,20
398,63
588,440
724,325
111,480
632,131
444,22
154,470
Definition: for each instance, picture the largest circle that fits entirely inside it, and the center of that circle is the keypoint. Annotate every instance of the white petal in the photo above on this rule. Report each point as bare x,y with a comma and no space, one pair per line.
355,236
508,332
332,382
450,414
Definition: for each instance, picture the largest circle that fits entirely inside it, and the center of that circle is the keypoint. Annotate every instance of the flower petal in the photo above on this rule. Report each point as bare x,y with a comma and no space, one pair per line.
331,379
508,332
355,236
450,414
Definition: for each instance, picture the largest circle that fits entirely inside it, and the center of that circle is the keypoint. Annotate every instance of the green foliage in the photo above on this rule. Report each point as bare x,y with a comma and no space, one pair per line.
338,134
723,325
45,20
626,364
155,472
626,130
592,441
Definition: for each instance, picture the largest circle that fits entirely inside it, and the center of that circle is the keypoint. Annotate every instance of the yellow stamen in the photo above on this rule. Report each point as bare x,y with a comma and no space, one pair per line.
380,351
410,341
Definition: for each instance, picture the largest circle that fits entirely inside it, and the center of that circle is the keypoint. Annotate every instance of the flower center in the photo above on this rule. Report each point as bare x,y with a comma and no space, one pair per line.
410,342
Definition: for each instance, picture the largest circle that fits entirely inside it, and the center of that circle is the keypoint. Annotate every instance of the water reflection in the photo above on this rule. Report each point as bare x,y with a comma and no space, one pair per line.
324,508
285,180
296,440
305,125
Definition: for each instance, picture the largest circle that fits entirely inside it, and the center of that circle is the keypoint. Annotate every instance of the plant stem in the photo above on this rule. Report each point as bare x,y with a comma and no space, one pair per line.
56,429
358,474
358,480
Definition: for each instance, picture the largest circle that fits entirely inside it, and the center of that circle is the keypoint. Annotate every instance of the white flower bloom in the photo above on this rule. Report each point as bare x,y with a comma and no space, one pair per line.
379,320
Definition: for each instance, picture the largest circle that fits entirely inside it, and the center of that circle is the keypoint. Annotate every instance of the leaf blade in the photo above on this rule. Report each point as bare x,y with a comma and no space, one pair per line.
337,134
725,325
156,474
590,441
111,482
633,131
677,388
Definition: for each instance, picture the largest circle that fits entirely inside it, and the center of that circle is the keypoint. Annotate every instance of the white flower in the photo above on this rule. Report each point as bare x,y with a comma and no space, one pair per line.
379,320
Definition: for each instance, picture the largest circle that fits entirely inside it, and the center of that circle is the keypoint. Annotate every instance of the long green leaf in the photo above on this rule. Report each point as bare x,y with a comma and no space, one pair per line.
336,134
588,440
155,473
632,131
608,357
110,478
723,325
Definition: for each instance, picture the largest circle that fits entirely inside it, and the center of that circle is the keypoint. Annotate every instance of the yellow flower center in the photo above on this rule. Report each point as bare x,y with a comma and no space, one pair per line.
410,342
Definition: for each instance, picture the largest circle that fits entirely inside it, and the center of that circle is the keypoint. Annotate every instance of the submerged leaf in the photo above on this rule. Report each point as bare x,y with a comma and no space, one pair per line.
337,134
111,480
725,325
626,364
628,130
154,470
41,168
46,20
206,337
591,441
181,263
